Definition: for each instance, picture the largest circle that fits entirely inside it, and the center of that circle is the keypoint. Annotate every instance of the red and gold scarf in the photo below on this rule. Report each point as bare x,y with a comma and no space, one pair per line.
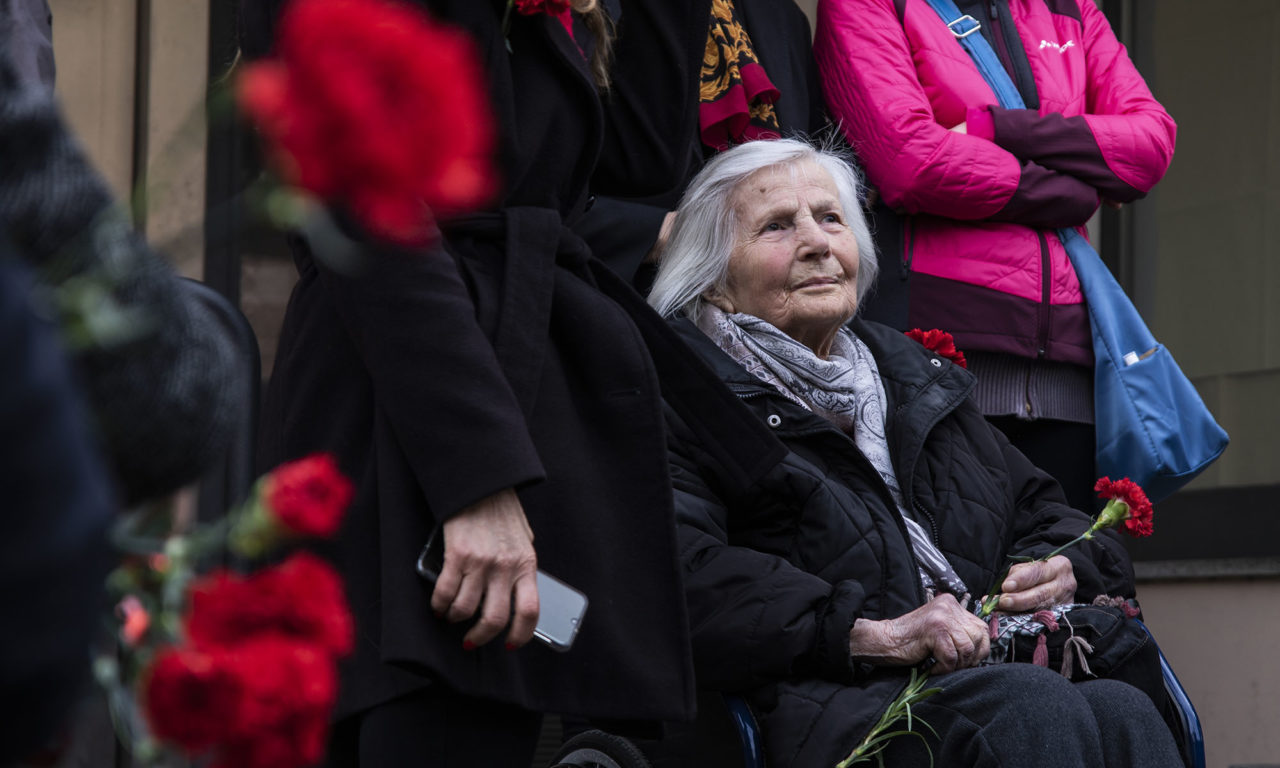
736,96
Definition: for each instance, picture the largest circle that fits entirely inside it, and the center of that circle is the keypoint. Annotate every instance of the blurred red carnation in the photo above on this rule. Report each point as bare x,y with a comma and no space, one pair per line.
373,105
288,689
300,598
308,496
222,609
309,602
190,697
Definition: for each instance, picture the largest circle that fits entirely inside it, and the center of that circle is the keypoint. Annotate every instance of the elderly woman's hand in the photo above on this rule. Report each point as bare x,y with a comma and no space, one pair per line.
941,629
489,561
1032,586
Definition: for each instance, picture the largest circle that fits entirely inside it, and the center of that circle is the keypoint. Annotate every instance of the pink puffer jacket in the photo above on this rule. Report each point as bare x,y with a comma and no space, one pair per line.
987,265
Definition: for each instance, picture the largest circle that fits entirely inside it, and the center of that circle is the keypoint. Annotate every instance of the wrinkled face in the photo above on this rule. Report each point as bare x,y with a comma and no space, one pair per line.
795,260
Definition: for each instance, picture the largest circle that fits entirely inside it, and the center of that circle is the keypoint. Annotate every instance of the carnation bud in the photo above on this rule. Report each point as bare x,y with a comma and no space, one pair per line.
1112,515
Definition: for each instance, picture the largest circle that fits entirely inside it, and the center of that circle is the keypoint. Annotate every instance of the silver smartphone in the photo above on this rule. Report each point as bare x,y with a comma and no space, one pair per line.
560,606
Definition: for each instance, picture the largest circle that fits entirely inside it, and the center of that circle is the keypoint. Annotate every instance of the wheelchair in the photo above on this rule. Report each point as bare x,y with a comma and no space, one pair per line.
726,735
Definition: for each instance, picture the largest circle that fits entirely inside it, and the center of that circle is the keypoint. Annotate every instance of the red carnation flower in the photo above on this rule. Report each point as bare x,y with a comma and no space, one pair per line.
301,598
309,603
282,679
222,610
549,7
308,496
281,719
264,703
941,343
372,105
190,697
1137,511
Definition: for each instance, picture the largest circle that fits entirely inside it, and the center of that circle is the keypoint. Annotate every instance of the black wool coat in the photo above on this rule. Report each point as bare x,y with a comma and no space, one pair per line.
507,358
778,566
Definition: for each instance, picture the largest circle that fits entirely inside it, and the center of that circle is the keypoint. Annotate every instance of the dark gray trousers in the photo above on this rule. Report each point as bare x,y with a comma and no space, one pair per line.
1014,715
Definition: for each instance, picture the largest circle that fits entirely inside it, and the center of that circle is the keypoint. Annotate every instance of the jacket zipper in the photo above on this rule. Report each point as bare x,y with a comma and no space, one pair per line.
1042,320
909,246
933,523
1046,281
998,39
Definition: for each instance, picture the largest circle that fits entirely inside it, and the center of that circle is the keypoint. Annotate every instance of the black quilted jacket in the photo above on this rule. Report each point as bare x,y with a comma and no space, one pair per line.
778,566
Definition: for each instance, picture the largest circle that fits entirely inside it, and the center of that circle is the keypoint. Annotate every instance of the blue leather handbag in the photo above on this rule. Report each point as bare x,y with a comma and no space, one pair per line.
1151,424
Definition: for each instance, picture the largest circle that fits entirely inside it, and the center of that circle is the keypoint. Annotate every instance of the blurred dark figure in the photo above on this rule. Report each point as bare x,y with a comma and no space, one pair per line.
164,399
129,416
26,39
57,504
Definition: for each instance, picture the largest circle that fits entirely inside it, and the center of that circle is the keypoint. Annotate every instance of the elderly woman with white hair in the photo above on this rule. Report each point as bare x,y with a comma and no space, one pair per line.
879,501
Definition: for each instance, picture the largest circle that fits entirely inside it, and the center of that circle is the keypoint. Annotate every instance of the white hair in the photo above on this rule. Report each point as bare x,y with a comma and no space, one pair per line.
696,256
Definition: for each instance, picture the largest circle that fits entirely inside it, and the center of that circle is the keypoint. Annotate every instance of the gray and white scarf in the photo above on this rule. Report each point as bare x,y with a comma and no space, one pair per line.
846,390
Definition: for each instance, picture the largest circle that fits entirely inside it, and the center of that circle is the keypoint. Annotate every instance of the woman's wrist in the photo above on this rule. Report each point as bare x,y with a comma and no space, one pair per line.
873,642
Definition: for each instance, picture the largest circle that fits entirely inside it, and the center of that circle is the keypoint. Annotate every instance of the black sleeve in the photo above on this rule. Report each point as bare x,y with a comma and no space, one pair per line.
754,617
621,233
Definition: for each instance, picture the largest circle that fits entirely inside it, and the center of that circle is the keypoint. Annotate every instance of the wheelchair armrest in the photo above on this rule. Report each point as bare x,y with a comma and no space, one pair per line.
1194,735
748,731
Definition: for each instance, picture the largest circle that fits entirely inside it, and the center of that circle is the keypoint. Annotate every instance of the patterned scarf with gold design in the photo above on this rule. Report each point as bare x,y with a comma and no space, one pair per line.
736,96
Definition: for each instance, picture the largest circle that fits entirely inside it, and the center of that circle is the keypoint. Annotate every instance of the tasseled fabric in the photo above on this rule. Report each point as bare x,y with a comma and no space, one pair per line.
1041,656
1076,647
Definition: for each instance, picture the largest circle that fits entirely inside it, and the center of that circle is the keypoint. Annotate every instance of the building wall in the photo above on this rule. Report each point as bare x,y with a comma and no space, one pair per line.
94,46
138,106
1220,638
1207,280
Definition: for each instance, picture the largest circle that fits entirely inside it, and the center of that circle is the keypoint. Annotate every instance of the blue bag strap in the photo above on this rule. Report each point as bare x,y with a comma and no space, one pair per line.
966,31
1083,256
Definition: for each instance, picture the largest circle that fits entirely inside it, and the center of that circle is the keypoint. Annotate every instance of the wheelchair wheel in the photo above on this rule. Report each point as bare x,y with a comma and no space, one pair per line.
597,749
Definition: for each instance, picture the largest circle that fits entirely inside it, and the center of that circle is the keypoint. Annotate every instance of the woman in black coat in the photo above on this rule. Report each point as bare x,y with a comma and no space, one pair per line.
495,388
814,583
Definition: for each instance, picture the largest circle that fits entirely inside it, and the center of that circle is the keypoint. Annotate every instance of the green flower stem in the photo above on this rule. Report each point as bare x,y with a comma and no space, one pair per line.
880,734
